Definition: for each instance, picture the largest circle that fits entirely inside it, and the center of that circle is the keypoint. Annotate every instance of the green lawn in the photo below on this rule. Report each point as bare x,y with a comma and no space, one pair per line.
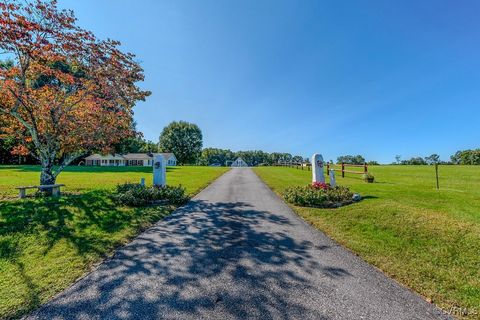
45,244
81,178
425,238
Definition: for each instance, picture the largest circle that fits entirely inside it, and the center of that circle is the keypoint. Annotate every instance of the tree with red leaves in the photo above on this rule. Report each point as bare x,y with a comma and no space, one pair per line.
63,92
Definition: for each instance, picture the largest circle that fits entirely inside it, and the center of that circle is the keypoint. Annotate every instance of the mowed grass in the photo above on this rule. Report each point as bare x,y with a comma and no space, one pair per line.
425,238
47,243
80,178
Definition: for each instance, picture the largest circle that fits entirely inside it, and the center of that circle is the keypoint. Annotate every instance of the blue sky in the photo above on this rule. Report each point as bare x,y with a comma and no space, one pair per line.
376,78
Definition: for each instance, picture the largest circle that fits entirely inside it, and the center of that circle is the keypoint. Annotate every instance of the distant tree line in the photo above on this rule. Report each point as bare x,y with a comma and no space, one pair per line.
358,159
432,159
429,160
185,140
215,156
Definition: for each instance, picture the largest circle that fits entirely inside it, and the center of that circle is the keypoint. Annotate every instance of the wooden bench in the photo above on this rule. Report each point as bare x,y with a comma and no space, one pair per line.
54,187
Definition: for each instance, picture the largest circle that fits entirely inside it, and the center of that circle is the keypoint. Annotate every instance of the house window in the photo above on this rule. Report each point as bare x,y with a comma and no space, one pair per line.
135,162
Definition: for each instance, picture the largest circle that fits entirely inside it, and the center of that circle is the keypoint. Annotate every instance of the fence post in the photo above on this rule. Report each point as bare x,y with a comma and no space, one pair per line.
436,174
343,170
328,168
365,167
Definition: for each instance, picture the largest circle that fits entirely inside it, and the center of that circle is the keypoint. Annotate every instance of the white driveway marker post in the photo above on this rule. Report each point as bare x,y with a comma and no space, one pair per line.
317,168
333,183
159,171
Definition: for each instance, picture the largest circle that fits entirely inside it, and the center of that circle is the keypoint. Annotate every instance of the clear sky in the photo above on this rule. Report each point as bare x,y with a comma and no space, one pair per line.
376,78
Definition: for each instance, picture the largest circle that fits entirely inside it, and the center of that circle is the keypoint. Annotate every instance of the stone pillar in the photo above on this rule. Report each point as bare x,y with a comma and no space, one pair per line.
333,183
317,168
159,171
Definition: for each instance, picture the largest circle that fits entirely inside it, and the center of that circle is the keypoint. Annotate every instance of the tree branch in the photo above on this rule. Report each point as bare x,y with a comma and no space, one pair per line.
66,161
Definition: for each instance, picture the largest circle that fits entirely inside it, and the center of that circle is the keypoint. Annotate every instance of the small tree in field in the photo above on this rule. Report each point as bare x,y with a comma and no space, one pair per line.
398,159
62,91
432,159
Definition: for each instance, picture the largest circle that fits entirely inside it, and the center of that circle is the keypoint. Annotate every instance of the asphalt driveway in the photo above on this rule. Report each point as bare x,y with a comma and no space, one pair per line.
236,251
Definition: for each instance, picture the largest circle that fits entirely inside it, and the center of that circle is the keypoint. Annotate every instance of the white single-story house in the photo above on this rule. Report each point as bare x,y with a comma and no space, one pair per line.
129,159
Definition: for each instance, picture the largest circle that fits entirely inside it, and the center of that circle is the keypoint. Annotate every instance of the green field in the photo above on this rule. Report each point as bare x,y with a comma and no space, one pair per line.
47,243
425,238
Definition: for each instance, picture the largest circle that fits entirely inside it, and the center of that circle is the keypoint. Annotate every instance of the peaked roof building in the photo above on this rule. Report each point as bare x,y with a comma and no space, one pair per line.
239,163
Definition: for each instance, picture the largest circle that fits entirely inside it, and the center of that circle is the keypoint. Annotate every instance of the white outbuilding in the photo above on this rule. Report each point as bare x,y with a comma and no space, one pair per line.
239,163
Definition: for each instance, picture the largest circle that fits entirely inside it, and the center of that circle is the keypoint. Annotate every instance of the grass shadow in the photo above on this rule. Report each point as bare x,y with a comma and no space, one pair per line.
85,227
368,197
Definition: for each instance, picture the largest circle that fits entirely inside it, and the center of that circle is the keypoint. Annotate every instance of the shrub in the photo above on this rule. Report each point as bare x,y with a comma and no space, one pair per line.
319,195
173,195
122,188
136,195
368,177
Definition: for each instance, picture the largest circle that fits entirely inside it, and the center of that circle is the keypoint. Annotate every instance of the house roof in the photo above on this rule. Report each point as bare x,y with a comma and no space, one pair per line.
97,156
146,156
129,156
135,156
167,155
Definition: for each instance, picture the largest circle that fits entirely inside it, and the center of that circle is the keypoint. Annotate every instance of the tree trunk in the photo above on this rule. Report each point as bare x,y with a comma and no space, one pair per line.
47,177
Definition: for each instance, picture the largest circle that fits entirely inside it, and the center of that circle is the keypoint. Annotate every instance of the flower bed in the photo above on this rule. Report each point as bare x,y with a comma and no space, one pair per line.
320,195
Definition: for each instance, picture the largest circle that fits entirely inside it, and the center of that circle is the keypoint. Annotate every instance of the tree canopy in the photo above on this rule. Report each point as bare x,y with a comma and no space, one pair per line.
466,157
184,139
63,92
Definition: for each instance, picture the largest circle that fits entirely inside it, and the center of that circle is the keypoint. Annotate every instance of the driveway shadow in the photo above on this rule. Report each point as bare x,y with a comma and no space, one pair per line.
220,260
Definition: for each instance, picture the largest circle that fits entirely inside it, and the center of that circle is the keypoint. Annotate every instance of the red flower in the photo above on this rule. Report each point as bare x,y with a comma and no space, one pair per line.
320,185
